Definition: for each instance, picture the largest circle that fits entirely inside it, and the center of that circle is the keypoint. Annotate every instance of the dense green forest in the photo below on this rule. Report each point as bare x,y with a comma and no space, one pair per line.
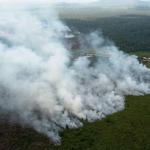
129,33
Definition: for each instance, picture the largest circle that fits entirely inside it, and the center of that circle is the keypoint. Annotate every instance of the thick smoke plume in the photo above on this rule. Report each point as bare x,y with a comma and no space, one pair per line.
45,88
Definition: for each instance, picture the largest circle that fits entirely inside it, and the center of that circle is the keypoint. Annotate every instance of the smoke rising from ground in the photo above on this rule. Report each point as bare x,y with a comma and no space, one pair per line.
46,89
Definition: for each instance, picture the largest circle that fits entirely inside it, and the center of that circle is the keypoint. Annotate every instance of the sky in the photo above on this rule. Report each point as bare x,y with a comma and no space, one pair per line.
73,1
49,1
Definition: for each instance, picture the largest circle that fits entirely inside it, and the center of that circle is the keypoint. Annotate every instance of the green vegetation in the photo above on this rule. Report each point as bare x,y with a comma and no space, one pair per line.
129,33
141,53
126,130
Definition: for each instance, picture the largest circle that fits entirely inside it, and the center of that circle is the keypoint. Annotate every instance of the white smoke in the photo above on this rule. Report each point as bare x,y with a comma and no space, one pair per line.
46,89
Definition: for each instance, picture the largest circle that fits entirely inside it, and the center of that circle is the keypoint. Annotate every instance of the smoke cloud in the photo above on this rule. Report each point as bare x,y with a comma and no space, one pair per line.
45,88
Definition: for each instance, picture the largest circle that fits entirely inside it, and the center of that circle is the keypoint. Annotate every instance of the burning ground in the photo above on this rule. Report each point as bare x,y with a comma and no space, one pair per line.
42,88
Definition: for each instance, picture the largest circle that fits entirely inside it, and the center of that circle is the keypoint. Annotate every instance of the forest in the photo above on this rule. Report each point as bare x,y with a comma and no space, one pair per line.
128,32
